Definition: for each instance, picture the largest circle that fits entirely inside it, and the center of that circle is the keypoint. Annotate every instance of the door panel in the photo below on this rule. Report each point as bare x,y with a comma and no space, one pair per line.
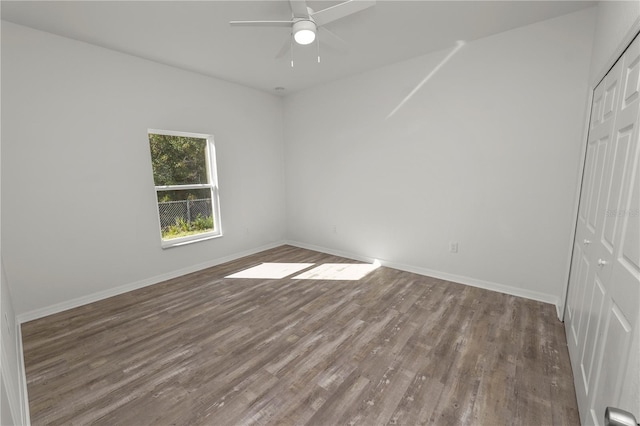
603,322
592,329
621,153
631,244
577,292
596,110
577,269
592,215
615,358
632,81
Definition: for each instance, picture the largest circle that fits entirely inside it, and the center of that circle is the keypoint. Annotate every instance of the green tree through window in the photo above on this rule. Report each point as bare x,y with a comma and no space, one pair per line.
178,160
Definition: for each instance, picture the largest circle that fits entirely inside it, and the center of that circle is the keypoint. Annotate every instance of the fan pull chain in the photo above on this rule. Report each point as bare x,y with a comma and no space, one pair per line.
318,44
291,49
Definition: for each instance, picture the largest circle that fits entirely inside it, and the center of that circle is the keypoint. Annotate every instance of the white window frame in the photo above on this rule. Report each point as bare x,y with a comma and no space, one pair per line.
212,176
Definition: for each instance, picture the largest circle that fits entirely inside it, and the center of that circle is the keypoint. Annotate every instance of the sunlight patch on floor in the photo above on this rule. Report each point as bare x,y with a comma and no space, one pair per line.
271,270
338,271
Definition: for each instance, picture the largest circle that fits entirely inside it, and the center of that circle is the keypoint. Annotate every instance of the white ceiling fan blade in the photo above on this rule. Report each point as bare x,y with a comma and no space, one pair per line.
332,41
261,23
284,49
299,9
339,11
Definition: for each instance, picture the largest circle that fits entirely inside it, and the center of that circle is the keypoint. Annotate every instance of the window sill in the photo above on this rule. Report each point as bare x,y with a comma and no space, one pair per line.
177,242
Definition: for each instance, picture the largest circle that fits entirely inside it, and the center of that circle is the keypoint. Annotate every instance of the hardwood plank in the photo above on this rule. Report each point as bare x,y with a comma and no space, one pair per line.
390,348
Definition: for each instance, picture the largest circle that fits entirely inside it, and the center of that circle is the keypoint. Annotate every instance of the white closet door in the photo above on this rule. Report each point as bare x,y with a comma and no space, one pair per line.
604,291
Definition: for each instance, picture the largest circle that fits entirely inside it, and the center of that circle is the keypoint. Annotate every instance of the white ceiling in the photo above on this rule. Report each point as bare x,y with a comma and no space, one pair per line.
196,35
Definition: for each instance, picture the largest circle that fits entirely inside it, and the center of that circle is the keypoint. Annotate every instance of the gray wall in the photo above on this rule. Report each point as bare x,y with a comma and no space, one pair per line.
486,154
79,213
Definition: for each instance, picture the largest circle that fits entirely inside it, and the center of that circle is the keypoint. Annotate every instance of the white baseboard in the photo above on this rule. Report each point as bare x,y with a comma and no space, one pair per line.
22,374
10,386
95,297
487,285
22,411
560,310
16,387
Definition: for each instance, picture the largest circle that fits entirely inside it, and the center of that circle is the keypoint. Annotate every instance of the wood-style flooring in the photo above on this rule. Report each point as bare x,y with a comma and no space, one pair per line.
391,348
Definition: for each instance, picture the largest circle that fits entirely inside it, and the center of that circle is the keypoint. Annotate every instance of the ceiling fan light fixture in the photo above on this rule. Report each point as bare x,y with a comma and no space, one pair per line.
304,32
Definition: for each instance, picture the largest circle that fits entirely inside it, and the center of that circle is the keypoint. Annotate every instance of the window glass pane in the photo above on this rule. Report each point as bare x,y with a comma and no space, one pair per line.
184,194
178,160
185,212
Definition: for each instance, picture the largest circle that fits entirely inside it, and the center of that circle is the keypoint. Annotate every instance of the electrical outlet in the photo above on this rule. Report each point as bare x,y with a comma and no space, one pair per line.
453,247
335,229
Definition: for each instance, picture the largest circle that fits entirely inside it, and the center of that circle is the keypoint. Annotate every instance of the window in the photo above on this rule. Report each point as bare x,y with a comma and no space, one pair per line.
186,185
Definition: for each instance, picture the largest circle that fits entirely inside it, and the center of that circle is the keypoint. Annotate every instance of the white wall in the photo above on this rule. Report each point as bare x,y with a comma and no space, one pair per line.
78,204
10,403
11,391
485,154
614,19
5,415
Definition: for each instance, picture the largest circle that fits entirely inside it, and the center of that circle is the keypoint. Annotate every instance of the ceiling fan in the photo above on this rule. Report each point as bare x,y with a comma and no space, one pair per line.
305,23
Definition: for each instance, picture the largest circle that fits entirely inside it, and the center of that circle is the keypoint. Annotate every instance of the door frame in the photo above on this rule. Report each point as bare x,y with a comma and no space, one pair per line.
618,52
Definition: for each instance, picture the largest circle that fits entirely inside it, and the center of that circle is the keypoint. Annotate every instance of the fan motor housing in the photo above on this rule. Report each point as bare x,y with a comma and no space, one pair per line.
304,31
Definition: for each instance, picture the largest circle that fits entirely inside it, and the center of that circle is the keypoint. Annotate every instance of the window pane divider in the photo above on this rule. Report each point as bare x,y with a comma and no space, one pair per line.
192,186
